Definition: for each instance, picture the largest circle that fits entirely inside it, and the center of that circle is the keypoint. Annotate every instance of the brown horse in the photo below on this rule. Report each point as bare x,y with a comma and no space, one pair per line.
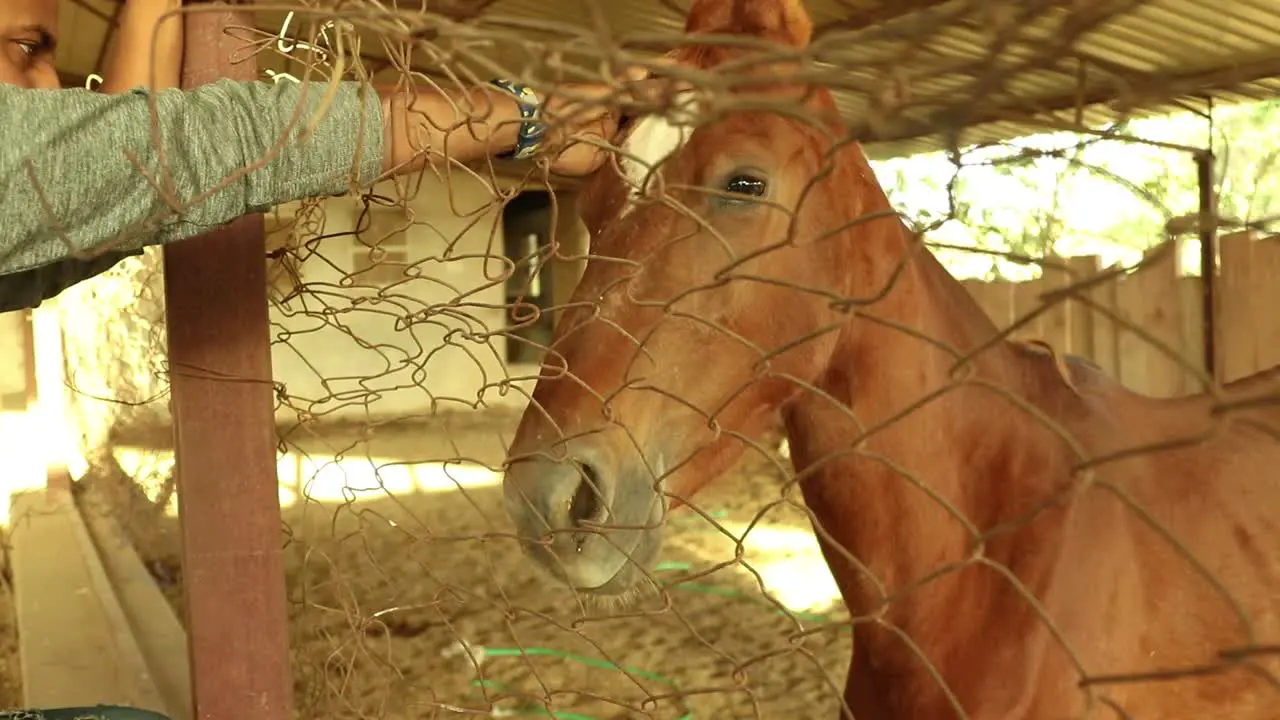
1016,536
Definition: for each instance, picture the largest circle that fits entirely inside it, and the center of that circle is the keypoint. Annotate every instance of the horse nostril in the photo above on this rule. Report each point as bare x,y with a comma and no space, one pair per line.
588,503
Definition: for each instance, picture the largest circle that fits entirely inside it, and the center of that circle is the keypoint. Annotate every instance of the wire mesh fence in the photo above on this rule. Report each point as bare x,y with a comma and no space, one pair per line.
722,383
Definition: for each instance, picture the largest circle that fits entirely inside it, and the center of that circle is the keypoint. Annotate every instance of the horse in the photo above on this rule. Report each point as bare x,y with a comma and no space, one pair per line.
1015,534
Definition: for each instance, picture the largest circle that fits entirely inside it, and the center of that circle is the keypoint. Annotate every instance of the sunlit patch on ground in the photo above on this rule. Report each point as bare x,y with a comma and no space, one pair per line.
327,479
787,560
416,547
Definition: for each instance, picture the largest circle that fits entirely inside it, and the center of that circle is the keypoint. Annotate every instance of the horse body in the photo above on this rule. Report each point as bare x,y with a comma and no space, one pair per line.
1002,529
1116,591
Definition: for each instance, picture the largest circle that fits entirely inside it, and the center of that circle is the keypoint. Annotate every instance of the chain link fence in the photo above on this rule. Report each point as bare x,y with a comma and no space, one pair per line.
411,322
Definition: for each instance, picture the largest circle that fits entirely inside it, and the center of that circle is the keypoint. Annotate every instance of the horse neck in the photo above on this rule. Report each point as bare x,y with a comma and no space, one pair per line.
940,318
958,444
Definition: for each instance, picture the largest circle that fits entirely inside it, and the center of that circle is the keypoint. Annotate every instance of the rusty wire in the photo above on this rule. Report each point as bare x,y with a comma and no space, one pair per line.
413,604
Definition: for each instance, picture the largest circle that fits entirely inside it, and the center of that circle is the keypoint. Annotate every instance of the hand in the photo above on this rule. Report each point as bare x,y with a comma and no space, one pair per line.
583,120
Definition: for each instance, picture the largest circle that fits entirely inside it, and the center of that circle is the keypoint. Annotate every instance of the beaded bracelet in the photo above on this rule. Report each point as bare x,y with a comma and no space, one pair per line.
529,140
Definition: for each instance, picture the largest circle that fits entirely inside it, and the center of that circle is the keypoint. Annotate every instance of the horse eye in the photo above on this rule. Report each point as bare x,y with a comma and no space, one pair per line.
746,185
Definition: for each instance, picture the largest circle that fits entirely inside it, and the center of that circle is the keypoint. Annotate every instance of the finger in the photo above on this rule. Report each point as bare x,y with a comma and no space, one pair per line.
581,113
666,60
576,158
672,84
634,74
647,91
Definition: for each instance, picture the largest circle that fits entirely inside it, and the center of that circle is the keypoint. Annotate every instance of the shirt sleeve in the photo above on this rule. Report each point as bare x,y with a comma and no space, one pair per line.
87,179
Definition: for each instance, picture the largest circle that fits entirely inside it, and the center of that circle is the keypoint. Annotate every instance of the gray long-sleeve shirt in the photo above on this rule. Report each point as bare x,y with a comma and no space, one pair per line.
69,183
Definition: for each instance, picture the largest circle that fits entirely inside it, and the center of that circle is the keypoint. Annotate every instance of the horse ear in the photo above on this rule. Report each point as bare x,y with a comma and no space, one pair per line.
782,21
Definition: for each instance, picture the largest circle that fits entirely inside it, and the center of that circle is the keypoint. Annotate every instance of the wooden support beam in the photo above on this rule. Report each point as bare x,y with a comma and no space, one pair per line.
220,364
1159,90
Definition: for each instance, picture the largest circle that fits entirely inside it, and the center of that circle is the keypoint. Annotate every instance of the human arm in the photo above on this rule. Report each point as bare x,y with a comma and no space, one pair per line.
70,186
144,38
465,126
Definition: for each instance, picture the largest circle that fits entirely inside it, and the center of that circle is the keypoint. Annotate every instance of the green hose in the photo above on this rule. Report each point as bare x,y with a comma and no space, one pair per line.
593,662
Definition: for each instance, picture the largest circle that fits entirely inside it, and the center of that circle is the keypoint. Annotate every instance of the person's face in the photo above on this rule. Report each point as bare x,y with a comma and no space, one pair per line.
28,31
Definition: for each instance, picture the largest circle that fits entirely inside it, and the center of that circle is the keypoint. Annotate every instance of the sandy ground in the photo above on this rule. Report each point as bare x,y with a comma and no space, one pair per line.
385,592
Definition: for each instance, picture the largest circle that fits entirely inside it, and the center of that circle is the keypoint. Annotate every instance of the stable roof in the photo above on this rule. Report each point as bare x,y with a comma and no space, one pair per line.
972,70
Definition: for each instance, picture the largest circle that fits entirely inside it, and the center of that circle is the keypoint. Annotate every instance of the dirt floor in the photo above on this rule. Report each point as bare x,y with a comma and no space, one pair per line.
385,593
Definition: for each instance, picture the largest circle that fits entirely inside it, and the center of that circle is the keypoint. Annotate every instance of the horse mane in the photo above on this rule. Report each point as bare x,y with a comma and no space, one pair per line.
781,21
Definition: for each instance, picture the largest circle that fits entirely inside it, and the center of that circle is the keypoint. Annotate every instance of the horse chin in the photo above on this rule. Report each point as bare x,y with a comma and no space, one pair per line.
632,580
635,575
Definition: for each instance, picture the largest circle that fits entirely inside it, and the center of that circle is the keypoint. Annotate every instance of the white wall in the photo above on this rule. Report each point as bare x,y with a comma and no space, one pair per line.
411,347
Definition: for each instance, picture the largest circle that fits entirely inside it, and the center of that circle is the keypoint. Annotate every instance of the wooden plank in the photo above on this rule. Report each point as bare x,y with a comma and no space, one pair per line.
228,494
1191,296
1265,293
1167,373
1026,300
1105,333
76,645
996,299
1148,299
1000,295
159,636
1130,348
1055,324
1079,315
1238,346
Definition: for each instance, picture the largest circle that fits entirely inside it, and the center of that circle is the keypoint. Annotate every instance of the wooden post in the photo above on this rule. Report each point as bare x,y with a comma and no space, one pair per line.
228,497
29,356
1208,260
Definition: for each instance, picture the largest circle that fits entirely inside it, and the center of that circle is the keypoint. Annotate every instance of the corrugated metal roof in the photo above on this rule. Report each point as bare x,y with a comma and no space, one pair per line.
1143,56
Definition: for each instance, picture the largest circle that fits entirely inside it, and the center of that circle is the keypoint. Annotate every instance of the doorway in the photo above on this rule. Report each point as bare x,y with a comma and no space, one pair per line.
526,229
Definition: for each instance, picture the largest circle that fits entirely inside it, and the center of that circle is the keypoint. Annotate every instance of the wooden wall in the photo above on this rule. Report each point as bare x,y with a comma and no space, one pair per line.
1128,317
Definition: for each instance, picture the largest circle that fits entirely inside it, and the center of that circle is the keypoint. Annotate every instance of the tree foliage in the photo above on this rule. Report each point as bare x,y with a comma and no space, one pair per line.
1070,194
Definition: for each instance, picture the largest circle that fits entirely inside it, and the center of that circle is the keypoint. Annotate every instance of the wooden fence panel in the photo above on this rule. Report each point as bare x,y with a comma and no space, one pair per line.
1191,293
995,299
1080,316
1026,300
1106,331
982,293
1265,307
1235,329
1149,300
1161,303
1055,323
999,303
